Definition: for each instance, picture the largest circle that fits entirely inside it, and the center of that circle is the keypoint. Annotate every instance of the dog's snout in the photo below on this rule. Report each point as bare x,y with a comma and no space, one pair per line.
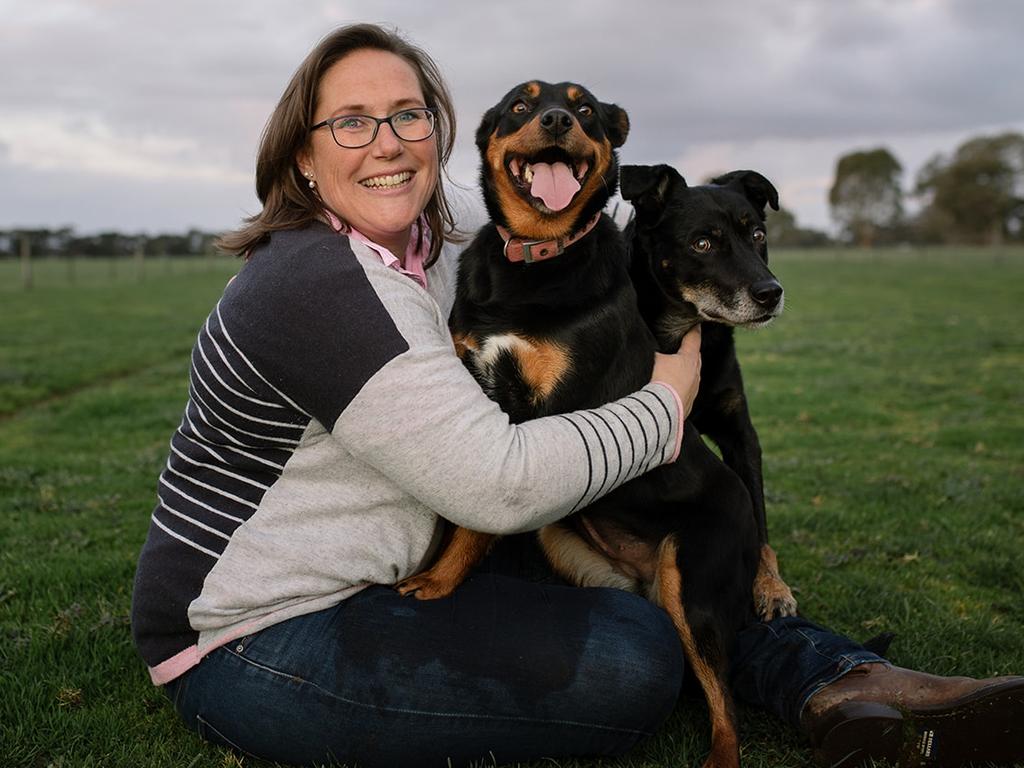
766,292
556,121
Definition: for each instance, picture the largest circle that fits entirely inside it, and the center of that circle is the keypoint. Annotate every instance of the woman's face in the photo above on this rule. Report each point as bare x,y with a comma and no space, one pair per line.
351,181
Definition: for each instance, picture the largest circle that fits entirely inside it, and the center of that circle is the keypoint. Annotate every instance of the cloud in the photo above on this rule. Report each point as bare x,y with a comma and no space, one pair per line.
88,144
90,201
137,93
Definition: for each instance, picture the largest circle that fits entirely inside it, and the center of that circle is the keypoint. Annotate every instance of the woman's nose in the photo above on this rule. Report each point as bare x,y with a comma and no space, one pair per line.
387,144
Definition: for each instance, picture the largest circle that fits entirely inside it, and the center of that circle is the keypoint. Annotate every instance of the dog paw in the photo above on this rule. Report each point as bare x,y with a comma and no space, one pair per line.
425,586
776,603
772,596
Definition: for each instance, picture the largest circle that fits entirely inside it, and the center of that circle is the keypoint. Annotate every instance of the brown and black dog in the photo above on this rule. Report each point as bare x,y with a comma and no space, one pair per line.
546,318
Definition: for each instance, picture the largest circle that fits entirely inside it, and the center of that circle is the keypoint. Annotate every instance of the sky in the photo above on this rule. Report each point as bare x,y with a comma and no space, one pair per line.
145,115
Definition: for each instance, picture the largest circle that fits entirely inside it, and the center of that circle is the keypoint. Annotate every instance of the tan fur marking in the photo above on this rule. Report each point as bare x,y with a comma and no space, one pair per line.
772,596
532,90
523,219
573,93
465,550
576,562
725,748
543,364
465,342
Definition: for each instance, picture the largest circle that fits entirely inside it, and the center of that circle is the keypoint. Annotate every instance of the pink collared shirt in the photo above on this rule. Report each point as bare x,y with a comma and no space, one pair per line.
414,256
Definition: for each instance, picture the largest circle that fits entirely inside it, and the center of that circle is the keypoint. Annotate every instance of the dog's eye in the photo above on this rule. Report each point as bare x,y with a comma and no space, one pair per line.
702,246
586,110
520,107
760,236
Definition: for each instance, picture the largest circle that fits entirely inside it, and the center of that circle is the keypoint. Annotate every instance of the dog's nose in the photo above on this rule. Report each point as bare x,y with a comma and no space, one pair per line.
767,292
556,121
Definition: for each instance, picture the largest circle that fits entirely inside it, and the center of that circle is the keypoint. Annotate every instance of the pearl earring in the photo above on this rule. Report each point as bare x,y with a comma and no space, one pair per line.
312,183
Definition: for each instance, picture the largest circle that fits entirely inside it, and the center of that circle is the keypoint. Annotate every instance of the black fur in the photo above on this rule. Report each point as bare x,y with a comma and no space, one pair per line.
670,218
585,301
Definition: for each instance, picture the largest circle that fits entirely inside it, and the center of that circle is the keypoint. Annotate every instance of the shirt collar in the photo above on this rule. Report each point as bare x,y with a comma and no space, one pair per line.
415,253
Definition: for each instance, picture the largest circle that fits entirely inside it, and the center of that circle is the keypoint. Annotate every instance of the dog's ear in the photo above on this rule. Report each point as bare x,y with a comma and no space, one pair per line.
648,188
487,125
755,187
617,124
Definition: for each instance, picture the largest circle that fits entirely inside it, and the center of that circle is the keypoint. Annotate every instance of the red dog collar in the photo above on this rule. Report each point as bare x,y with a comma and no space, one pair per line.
517,249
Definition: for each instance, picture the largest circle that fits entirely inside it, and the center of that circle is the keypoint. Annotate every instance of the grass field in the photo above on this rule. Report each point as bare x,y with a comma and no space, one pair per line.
889,399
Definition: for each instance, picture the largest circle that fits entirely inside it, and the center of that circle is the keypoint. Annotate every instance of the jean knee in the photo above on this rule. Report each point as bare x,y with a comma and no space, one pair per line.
640,642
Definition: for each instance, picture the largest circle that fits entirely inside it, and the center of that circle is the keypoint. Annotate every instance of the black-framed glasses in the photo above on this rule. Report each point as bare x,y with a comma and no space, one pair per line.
355,131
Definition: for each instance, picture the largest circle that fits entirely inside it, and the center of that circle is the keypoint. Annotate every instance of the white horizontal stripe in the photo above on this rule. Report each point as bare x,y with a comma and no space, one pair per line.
223,357
267,462
228,387
197,400
245,360
191,520
219,470
207,486
196,501
183,540
206,421
248,416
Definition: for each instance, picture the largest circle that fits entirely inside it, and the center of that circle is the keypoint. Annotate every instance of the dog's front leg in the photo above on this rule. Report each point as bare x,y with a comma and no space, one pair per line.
465,550
728,424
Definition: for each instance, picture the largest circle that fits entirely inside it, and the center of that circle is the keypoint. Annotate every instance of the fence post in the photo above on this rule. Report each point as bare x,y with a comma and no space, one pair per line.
26,261
139,264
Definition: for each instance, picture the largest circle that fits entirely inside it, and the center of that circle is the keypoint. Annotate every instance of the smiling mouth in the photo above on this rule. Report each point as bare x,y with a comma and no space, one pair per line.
550,179
387,181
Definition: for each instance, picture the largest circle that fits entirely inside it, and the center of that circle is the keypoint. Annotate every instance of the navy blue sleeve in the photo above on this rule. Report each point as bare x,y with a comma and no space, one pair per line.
307,318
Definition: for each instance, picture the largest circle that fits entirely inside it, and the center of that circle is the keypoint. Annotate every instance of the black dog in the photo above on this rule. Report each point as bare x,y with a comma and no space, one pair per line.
701,254
546,318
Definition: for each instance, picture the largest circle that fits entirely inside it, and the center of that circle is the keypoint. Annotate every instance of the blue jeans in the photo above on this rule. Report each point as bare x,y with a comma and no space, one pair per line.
507,668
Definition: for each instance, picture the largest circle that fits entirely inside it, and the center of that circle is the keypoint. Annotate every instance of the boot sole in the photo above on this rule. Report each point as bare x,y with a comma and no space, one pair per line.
987,726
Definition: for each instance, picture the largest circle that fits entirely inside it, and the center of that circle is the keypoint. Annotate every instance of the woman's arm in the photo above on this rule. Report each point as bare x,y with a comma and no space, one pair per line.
366,352
425,423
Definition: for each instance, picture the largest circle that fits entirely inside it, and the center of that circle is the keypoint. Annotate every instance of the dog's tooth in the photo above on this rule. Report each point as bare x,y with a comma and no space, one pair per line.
513,165
528,174
581,171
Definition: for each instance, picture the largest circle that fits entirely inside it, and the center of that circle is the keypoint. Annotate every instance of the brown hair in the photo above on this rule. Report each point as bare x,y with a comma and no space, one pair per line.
288,202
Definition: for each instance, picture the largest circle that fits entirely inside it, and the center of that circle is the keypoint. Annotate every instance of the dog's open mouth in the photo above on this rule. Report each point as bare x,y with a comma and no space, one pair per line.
550,179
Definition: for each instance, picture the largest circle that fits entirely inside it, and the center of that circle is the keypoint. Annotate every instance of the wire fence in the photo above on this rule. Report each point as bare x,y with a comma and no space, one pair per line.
20,274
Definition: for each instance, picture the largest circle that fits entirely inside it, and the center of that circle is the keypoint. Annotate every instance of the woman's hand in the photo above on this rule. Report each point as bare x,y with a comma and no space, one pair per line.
682,369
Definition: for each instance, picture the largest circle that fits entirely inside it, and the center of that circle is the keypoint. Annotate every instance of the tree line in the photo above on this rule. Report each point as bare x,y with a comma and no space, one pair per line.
974,195
65,242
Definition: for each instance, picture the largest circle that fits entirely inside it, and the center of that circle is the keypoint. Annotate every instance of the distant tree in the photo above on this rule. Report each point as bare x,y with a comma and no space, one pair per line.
784,231
866,196
102,244
977,195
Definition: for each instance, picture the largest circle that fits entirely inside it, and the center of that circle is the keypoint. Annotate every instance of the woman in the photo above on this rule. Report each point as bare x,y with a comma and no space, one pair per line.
329,428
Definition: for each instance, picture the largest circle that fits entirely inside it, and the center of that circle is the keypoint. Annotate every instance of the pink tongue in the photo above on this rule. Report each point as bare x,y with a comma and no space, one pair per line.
554,184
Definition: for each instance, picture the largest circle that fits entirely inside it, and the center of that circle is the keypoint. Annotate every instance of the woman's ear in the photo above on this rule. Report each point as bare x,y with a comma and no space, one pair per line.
304,161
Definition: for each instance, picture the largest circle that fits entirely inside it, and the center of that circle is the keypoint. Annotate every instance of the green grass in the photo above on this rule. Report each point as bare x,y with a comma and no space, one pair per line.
888,399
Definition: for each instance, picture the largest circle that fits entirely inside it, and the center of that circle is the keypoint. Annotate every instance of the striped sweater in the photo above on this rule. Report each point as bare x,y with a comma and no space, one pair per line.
329,428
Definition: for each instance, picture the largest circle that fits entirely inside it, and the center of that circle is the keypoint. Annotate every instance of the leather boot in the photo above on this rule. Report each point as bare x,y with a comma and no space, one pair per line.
912,719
